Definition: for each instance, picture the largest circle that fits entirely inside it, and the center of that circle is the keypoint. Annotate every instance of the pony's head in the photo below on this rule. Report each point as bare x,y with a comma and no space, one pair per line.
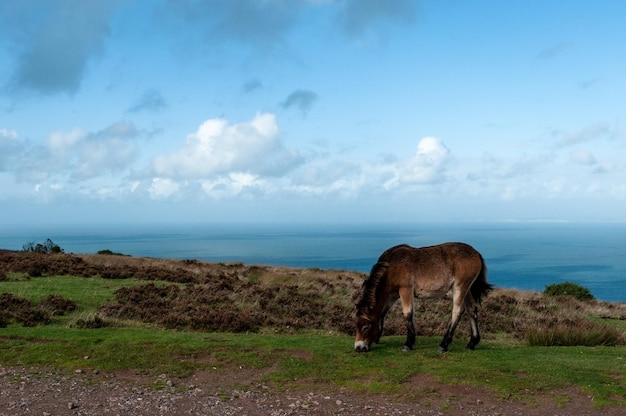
367,331
368,327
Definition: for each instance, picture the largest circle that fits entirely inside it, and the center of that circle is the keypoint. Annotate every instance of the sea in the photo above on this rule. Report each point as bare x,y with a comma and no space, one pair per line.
519,255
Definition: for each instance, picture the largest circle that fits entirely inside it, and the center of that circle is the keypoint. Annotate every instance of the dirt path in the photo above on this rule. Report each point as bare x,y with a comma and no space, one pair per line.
29,391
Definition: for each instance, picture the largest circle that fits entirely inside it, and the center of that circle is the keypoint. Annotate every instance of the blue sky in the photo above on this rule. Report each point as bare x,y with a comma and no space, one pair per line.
312,110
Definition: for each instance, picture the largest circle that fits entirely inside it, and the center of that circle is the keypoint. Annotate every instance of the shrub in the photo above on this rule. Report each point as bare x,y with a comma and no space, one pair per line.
110,253
569,289
93,323
47,247
56,305
22,310
570,333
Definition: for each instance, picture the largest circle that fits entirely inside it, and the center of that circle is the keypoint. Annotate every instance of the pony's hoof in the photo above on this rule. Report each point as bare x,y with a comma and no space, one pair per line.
405,349
470,346
442,350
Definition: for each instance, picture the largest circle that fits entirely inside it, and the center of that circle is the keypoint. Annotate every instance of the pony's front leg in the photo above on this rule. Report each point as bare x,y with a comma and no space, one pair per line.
409,313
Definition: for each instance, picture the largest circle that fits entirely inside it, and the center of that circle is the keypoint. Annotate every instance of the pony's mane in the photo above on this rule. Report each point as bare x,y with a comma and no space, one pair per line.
369,290
375,281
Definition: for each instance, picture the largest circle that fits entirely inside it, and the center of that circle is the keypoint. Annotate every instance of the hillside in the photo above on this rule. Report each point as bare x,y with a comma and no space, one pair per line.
201,296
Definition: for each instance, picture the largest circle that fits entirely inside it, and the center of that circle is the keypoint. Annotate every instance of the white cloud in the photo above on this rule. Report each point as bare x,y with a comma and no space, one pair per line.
583,157
586,134
10,148
235,184
79,155
428,165
218,148
162,188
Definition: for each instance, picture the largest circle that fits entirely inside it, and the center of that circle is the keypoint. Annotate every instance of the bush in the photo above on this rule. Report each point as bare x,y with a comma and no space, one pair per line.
570,333
569,289
94,323
110,253
47,247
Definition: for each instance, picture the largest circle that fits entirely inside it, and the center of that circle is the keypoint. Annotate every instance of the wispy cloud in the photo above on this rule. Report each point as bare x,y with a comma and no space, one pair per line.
250,22
586,134
302,100
11,149
357,17
553,51
252,85
150,100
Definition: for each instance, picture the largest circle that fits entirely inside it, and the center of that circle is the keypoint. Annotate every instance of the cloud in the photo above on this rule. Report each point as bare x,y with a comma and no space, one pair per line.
553,51
583,157
10,149
266,24
358,17
150,100
218,148
302,100
586,134
250,22
54,41
163,188
428,165
81,156
252,85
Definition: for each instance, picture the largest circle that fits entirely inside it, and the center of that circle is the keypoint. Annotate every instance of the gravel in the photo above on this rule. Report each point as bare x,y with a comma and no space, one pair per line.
33,391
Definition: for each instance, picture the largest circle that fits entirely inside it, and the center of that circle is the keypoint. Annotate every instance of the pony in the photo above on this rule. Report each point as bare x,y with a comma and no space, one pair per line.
404,272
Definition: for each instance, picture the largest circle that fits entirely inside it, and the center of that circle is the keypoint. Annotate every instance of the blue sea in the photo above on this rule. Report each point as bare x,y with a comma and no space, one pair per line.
521,255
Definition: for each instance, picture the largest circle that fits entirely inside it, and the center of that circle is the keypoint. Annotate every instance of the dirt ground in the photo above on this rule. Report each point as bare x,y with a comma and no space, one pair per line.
33,391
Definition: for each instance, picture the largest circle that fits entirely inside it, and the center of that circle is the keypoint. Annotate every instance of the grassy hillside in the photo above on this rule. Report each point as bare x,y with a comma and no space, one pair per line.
177,317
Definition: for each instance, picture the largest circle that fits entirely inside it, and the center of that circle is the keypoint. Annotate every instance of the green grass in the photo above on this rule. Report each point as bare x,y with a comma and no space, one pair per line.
305,360
89,293
308,360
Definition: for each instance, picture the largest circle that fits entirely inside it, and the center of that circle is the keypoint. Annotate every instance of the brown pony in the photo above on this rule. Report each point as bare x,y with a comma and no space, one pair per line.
404,272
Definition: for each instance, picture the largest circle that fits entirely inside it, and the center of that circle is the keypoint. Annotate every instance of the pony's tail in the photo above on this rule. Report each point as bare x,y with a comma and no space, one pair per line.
481,287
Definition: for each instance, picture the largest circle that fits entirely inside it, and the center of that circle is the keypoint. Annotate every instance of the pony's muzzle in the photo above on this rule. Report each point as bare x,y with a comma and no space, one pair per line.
360,346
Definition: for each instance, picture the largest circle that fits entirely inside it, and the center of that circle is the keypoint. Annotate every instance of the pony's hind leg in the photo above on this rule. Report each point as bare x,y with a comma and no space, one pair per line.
473,315
458,307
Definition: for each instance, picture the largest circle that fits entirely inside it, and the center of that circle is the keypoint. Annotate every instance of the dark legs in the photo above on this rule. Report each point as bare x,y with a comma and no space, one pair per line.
475,339
406,297
410,331
457,312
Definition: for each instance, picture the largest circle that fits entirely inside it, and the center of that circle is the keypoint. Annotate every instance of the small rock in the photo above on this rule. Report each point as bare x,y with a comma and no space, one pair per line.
72,405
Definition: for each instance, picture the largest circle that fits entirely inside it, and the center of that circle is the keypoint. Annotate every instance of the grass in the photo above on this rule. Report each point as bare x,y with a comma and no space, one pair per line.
88,293
308,360
313,359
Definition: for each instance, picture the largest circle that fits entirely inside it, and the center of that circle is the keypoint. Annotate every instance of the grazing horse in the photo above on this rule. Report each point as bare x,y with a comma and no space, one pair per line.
404,272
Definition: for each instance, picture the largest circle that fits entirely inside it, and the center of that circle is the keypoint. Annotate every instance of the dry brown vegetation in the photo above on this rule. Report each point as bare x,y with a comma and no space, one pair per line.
237,297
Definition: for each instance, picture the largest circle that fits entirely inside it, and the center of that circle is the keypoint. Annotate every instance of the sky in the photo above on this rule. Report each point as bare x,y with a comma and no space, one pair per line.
312,111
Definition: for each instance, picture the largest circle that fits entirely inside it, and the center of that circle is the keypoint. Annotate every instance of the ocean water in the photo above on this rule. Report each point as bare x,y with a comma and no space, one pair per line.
524,256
